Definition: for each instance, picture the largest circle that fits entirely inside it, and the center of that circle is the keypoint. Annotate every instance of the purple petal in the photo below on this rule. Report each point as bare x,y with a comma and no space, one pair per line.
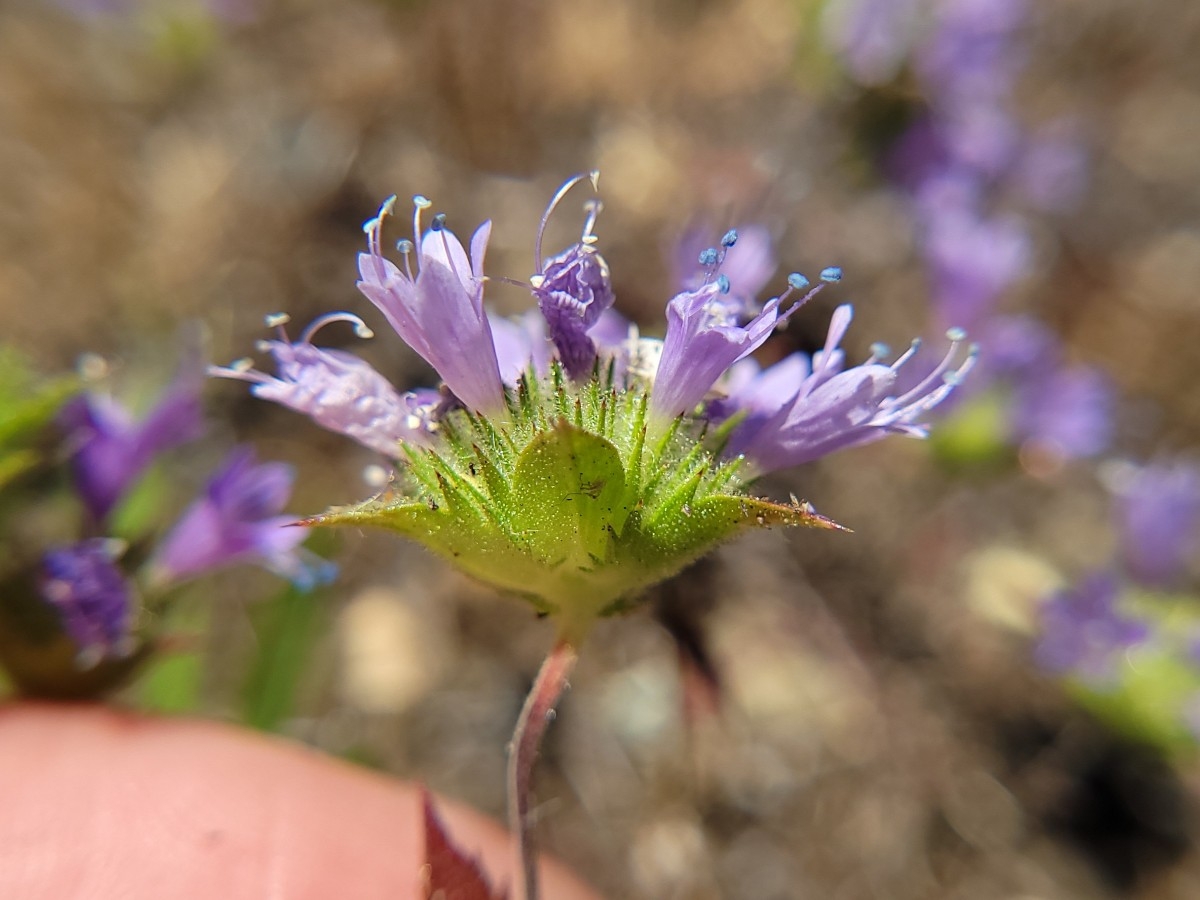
440,313
573,291
521,343
796,412
91,595
110,450
340,392
701,343
237,519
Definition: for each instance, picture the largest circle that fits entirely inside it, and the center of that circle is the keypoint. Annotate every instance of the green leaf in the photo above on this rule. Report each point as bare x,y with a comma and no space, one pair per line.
567,496
288,629
28,404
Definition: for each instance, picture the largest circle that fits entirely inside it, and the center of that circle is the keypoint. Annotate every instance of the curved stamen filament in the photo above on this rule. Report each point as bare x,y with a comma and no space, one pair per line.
374,230
939,370
593,176
420,203
360,327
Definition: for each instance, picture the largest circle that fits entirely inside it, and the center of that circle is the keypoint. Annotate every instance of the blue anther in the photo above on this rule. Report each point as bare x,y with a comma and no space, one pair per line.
831,274
956,335
439,222
708,257
730,238
722,284
404,246
797,282
879,350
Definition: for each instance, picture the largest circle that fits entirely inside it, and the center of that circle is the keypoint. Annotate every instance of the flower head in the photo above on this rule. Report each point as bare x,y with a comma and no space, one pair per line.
337,390
237,519
594,474
439,310
83,582
111,449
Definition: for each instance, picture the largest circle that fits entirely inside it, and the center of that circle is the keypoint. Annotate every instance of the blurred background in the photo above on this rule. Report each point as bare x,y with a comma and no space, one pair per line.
808,714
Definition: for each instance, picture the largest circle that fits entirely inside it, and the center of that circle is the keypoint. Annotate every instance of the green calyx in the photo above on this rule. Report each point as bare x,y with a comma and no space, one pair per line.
574,501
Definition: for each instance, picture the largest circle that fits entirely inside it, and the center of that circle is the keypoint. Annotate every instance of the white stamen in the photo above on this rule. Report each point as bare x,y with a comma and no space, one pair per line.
374,229
360,327
933,377
799,303
275,320
593,176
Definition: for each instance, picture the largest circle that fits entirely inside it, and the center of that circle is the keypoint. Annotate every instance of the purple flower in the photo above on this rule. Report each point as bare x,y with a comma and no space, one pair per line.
1083,632
703,340
800,410
338,390
92,596
1066,411
439,311
110,448
573,289
237,519
1159,513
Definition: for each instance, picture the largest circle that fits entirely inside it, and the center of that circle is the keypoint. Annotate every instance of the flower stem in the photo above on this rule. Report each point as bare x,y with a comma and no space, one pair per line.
535,716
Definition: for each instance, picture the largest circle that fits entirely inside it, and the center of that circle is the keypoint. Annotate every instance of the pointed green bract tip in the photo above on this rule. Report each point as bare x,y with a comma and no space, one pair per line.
569,503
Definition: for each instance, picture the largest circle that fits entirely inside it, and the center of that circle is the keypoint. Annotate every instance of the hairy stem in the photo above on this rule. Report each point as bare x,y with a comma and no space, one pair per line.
535,716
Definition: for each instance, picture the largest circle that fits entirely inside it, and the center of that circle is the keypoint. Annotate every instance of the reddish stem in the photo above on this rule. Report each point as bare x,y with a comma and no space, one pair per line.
535,716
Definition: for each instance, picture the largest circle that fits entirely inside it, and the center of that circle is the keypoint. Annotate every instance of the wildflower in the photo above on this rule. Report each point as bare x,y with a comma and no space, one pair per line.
237,519
1159,514
800,410
438,311
703,335
573,290
83,583
337,390
110,448
592,476
1083,631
